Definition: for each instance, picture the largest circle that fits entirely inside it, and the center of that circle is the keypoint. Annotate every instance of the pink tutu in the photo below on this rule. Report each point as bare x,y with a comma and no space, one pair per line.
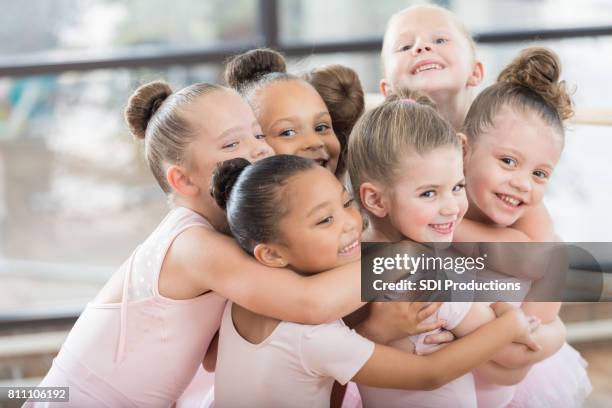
352,399
559,381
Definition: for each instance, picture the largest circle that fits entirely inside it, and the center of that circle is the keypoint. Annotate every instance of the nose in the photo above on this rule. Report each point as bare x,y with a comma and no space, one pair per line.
521,182
421,46
259,149
312,141
450,206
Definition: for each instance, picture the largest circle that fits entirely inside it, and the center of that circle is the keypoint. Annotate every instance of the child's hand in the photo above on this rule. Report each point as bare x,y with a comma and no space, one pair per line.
525,325
439,340
395,320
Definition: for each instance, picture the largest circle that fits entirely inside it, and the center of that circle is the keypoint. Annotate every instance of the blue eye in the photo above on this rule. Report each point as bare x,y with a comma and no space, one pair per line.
428,194
458,188
287,133
326,220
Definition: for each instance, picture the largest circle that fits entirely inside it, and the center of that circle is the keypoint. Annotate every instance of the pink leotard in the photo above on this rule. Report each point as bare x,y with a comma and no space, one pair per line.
145,350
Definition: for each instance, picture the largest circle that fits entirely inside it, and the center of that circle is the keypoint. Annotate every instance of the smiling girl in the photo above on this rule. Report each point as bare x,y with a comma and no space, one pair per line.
305,220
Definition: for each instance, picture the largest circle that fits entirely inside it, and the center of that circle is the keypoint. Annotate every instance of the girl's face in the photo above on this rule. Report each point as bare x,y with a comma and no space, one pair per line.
426,51
227,129
322,228
295,121
429,200
508,167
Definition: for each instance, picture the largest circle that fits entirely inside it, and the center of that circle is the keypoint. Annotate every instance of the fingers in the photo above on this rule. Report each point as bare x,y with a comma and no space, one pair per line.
428,310
427,327
439,338
531,344
428,350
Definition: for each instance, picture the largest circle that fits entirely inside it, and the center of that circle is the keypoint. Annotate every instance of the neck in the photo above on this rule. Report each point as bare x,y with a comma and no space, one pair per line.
453,106
381,230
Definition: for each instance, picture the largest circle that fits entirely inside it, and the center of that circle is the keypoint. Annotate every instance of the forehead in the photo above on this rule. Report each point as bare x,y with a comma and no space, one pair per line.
219,110
421,18
524,131
285,95
311,187
439,166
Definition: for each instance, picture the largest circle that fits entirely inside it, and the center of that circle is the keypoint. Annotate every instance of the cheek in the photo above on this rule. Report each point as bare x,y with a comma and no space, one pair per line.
281,146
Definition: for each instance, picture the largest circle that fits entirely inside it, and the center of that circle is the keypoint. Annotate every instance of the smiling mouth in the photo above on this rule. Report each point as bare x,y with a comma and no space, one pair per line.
510,201
427,67
444,229
350,248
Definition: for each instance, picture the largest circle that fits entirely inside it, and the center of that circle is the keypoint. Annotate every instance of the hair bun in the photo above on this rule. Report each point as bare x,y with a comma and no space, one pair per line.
252,65
224,178
143,104
341,90
407,95
539,69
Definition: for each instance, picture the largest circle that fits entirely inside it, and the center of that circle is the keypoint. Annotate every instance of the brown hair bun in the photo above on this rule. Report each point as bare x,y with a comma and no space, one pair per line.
143,104
539,69
252,65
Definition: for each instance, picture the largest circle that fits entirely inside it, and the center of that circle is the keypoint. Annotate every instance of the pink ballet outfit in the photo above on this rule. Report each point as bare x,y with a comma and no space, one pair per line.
295,366
457,393
144,351
559,381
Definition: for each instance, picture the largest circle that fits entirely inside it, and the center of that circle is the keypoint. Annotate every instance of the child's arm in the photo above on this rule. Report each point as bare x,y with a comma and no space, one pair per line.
391,368
388,321
201,260
550,336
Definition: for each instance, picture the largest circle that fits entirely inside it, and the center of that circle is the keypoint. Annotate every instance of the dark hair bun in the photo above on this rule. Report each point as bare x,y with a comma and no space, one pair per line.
224,178
341,90
539,69
252,65
407,96
143,104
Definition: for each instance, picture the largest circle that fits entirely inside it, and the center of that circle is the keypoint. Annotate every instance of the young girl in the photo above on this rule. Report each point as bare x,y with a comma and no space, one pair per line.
141,340
310,116
405,161
515,137
305,219
427,48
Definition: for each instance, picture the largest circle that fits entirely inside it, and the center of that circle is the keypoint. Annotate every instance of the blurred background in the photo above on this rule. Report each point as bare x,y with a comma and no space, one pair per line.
76,196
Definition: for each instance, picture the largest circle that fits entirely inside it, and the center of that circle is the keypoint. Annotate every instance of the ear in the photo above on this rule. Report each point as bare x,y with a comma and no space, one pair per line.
465,147
270,256
385,87
178,179
371,197
477,74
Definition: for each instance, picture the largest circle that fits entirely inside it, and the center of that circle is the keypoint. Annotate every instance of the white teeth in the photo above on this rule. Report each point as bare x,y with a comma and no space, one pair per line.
442,226
509,200
348,248
427,67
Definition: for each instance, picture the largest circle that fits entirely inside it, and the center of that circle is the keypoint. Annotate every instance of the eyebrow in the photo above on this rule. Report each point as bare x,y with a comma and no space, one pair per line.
323,204
229,131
